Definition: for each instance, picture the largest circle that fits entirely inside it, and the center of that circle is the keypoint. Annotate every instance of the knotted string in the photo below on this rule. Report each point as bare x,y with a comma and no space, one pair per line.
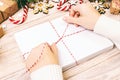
56,42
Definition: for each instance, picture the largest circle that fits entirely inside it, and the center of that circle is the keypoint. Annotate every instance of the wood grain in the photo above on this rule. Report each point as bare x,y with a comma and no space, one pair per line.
105,66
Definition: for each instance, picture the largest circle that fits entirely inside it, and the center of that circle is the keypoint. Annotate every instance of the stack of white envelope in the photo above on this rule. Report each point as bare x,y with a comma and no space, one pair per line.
77,44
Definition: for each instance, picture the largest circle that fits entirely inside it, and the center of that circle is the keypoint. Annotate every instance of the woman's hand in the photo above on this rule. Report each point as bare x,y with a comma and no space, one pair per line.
83,14
43,55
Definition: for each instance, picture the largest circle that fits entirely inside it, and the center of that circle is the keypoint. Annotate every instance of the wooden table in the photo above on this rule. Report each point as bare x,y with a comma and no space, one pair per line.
105,66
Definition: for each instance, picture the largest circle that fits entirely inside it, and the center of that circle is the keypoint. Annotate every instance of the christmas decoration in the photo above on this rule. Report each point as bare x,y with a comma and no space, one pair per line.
19,21
41,7
115,7
1,17
100,1
1,32
21,4
101,8
7,8
36,5
62,6
56,1
101,5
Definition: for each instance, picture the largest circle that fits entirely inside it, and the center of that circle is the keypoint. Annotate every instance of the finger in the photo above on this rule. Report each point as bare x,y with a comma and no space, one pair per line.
77,13
72,20
71,12
47,48
54,48
76,16
55,51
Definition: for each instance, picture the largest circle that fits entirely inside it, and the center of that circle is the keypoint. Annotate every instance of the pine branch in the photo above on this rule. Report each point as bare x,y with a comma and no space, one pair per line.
21,3
30,0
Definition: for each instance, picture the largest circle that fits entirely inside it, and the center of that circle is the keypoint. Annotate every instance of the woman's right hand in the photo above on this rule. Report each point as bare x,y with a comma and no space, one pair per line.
83,14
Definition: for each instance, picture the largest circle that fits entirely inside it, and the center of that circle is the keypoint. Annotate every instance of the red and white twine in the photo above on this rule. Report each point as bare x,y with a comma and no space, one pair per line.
66,7
60,39
24,16
42,51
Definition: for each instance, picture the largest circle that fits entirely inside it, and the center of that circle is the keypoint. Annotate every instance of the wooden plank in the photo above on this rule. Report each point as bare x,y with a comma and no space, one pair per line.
106,70
90,63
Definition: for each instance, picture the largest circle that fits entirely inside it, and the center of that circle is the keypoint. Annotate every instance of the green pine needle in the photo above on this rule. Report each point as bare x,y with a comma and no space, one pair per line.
22,3
30,0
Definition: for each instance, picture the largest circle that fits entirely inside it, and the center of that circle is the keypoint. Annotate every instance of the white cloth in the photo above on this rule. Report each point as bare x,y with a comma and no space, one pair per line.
49,72
109,28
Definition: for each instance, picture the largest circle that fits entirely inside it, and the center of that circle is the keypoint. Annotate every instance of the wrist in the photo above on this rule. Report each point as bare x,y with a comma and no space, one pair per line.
94,21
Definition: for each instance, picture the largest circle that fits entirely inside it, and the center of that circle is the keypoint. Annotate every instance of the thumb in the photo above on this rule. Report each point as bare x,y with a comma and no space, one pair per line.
73,20
54,49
